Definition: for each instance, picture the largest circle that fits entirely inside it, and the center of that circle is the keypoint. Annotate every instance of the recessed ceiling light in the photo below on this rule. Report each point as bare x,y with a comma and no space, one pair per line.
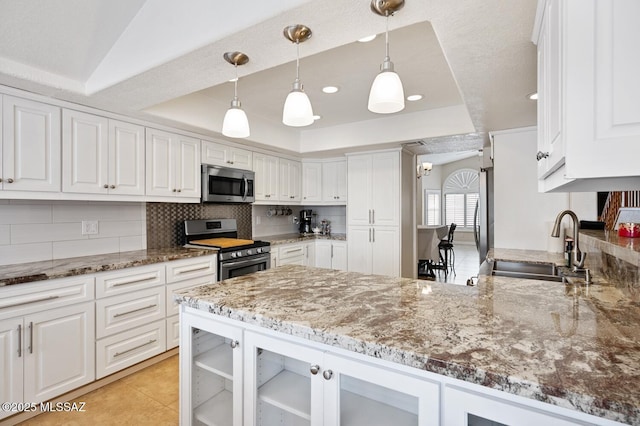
317,117
533,96
367,39
330,89
414,98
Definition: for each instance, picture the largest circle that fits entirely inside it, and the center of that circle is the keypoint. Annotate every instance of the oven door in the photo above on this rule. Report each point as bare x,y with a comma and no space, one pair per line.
235,268
225,185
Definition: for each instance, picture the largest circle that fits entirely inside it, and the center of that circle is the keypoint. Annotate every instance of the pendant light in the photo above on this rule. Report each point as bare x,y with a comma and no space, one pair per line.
386,95
236,124
297,111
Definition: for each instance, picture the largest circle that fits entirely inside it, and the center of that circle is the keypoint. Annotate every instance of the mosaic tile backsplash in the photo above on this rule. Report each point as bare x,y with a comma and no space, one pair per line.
165,220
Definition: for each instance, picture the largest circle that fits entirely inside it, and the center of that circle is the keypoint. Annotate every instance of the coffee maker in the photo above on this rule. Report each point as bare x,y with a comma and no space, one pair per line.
305,221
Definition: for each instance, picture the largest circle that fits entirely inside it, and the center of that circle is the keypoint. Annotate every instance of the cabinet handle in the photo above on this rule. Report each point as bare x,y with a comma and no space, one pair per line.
332,251
327,374
369,234
540,155
234,343
193,269
369,216
112,187
315,369
42,299
31,337
121,314
117,354
105,186
19,340
373,216
9,180
137,280
374,235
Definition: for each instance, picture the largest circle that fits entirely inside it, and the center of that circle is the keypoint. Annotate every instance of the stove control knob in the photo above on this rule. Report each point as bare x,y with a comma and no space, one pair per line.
258,250
249,252
233,255
239,254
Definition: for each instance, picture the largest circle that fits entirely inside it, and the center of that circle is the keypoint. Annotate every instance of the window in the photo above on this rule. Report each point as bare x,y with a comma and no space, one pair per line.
432,207
461,193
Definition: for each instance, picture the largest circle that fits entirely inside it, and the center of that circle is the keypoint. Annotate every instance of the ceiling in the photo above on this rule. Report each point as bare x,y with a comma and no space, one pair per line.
161,60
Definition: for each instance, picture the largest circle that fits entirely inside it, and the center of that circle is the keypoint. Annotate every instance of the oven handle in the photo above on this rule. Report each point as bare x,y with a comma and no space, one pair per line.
242,262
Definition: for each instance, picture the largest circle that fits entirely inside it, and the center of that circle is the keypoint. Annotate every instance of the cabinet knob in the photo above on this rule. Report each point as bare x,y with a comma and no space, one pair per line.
540,155
179,190
112,187
315,369
234,344
105,186
9,180
0,180
327,374
174,190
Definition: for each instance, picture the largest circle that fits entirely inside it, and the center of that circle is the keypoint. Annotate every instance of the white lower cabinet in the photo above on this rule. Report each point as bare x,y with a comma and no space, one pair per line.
291,254
210,372
374,250
331,254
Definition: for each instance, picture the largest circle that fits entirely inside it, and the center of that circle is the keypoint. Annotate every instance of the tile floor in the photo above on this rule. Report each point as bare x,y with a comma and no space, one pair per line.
148,397
467,265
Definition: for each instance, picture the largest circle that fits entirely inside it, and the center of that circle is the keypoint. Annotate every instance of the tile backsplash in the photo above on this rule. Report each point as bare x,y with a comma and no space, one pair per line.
264,225
45,230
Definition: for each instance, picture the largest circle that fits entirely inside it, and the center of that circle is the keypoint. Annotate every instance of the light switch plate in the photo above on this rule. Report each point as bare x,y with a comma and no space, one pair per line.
89,227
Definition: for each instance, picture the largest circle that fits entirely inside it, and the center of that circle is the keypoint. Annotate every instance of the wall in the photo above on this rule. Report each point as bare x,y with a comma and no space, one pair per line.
264,225
46,230
165,221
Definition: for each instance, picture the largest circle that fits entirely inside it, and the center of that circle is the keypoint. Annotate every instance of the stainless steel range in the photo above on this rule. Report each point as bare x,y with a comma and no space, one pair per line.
236,256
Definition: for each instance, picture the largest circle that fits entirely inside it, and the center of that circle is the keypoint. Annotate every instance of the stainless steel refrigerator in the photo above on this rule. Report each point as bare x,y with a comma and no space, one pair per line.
483,223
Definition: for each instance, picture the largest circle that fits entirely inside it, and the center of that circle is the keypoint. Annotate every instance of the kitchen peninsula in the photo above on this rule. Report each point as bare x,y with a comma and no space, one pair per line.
513,350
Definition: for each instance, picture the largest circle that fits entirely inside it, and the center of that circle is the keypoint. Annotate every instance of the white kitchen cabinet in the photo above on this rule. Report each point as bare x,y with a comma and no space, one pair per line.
290,183
12,365
311,182
289,383
588,115
374,189
465,408
266,177
211,373
310,254
292,254
219,154
334,182
30,151
331,254
102,156
172,165
374,250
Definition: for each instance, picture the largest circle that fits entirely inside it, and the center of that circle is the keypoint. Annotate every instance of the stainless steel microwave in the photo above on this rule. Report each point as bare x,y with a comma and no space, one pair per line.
227,185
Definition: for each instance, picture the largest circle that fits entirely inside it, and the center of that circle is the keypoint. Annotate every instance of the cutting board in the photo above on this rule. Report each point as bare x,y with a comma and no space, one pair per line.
223,242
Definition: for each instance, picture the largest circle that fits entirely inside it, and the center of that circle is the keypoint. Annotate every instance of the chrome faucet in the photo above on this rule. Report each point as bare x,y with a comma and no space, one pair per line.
578,256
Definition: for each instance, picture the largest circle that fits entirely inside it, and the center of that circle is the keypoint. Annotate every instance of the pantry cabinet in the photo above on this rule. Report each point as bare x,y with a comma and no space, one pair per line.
30,151
266,175
588,115
172,165
331,254
102,156
227,156
374,250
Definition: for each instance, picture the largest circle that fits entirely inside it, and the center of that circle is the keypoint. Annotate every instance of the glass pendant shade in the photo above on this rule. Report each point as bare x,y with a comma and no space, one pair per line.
235,124
387,94
297,111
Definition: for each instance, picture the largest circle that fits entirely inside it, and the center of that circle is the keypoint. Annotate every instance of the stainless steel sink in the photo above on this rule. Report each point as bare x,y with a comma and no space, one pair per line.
528,270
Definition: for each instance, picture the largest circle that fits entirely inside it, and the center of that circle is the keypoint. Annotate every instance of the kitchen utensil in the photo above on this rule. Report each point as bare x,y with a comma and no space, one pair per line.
629,229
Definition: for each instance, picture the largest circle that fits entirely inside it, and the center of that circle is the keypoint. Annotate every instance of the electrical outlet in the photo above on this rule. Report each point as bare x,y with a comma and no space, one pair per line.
258,220
89,227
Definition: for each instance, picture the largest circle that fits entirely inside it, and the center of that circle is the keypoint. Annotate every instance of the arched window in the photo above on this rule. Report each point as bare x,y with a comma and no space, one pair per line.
461,193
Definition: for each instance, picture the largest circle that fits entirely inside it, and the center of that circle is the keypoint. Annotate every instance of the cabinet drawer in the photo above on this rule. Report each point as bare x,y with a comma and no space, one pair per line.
131,347
22,299
173,308
286,252
179,270
130,279
123,312
173,332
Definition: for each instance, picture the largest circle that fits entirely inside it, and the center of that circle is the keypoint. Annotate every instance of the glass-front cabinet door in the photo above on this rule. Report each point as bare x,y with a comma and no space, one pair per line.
357,394
284,385
212,392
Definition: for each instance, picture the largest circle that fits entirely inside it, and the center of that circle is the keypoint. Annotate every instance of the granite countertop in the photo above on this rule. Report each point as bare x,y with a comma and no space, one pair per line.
296,238
565,344
51,269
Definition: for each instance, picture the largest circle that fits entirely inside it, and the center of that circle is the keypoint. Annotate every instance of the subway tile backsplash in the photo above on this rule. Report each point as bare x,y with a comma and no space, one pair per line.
265,225
45,230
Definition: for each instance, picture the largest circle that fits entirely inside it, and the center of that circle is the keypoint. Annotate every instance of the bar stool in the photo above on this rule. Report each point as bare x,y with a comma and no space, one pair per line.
446,246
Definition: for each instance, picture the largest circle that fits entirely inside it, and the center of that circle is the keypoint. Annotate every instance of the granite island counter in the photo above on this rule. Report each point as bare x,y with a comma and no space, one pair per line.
562,349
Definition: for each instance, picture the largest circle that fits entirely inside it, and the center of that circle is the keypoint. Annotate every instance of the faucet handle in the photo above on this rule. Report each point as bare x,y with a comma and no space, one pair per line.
579,258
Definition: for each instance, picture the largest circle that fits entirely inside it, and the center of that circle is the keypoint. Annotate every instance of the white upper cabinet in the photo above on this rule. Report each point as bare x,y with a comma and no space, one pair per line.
173,165
228,156
30,155
334,182
290,180
101,156
266,179
311,182
588,113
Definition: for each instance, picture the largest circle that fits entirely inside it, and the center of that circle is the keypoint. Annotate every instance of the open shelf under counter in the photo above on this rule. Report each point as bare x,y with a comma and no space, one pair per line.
218,360
217,411
357,410
290,392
